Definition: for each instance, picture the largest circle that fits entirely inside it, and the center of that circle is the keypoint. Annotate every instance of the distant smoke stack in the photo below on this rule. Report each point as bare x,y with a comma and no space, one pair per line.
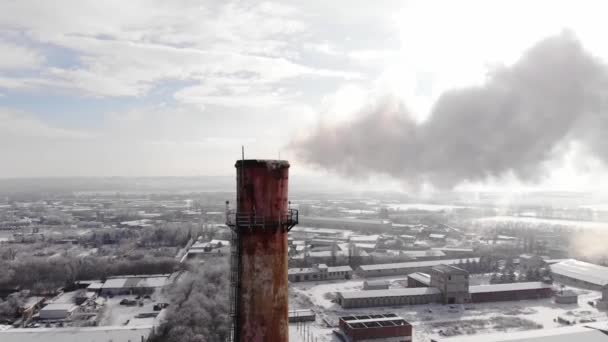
259,259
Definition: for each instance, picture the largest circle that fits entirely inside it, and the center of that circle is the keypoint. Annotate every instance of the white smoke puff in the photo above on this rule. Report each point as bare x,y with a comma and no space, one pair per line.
515,122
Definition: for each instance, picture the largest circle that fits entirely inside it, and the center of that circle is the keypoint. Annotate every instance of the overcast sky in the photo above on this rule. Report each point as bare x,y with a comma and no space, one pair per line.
146,88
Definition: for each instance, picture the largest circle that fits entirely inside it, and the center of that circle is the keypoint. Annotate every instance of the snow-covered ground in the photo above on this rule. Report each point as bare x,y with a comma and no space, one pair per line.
428,320
115,314
424,206
539,221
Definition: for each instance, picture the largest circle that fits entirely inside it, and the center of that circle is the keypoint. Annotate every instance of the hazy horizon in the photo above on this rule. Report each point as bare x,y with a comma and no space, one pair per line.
409,95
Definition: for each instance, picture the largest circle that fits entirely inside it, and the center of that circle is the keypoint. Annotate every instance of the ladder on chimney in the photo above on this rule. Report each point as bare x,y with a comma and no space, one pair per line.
235,281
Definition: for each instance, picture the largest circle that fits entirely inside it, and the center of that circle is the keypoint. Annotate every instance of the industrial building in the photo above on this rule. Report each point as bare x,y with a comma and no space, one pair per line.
56,311
391,297
403,268
510,292
133,284
303,315
380,327
565,334
418,279
346,223
448,285
580,274
455,252
428,254
326,233
453,283
376,285
566,297
94,334
319,272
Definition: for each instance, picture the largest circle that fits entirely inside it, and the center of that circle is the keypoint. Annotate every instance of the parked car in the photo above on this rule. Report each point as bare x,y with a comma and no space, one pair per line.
128,302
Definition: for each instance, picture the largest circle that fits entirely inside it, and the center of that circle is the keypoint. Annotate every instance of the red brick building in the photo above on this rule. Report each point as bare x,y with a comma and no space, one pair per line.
384,327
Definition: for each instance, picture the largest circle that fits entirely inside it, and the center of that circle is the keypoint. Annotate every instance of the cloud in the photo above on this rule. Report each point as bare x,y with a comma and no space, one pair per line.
520,118
125,50
15,125
16,57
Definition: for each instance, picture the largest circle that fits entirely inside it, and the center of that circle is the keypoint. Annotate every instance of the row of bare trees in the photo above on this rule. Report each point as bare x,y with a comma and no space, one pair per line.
46,275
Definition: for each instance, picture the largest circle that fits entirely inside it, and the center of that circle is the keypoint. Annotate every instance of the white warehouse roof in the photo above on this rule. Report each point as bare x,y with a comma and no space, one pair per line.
413,264
565,334
58,307
97,334
417,291
534,285
580,270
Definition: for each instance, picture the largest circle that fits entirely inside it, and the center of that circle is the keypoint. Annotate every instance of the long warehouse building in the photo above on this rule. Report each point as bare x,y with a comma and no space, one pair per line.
449,285
371,298
565,334
404,268
580,274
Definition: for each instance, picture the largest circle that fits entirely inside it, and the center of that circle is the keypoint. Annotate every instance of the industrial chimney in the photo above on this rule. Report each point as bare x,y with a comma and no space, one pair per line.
259,297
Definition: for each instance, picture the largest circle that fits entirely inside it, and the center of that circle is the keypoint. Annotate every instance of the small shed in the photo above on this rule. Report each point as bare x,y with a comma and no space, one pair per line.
95,287
566,297
56,311
304,315
376,285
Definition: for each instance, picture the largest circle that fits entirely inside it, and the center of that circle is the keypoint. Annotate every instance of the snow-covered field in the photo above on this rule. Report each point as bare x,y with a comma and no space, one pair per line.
424,206
539,221
428,320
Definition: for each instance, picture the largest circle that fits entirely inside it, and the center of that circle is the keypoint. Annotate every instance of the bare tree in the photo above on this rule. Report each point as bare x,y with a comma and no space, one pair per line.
199,312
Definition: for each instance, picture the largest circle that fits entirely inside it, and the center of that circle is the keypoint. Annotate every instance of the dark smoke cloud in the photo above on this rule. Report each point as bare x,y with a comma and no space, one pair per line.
520,118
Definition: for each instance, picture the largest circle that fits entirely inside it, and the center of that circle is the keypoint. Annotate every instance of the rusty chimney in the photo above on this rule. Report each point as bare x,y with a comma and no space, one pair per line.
260,224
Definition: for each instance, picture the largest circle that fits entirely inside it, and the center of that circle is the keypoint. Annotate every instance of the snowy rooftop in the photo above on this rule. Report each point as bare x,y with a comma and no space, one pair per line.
340,269
428,263
422,254
313,230
418,291
584,271
566,334
97,334
95,286
131,282
452,249
371,321
382,282
534,285
364,238
421,277
60,306
343,220
317,269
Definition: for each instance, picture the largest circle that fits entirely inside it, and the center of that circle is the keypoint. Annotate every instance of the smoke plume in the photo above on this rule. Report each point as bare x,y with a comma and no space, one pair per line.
520,118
